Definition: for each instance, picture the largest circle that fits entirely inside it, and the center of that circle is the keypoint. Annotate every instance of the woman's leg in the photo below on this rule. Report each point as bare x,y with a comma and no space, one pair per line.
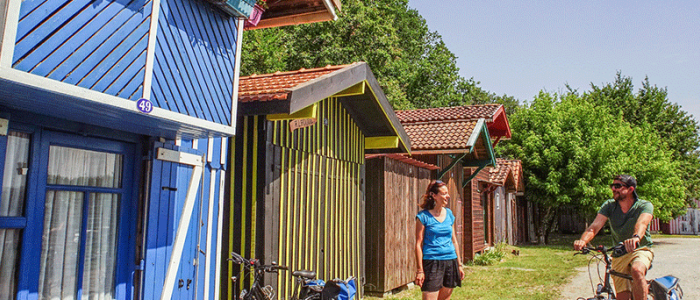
445,293
430,295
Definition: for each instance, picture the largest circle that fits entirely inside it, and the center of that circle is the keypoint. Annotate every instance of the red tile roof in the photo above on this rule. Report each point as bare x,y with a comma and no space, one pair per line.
467,112
493,114
440,136
276,86
445,128
499,174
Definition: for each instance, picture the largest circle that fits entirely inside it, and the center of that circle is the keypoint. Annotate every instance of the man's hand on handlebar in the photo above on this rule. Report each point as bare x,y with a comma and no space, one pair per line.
579,244
632,243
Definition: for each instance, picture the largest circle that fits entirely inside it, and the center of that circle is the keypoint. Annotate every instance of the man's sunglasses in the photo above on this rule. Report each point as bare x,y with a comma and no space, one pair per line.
617,186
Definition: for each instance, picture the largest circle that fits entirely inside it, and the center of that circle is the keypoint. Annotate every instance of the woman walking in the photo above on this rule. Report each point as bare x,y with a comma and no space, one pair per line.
439,265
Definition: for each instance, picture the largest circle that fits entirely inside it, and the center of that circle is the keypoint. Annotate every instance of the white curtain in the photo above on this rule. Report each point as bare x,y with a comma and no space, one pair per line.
12,205
63,224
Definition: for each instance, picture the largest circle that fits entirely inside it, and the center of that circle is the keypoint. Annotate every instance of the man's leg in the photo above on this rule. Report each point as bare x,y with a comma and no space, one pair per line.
640,287
624,296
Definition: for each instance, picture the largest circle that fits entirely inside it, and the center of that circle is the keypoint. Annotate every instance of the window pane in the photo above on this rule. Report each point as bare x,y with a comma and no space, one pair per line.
15,175
100,246
70,166
9,247
60,247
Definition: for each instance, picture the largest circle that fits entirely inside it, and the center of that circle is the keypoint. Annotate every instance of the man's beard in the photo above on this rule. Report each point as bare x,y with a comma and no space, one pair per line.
618,197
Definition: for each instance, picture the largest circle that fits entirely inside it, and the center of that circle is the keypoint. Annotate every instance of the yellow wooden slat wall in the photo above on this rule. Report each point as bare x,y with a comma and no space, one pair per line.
320,196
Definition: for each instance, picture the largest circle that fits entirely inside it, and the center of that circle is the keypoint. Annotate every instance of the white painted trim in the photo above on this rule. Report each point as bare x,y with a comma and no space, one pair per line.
237,71
224,148
178,142
210,149
151,50
180,157
210,220
7,43
181,235
219,237
39,82
195,144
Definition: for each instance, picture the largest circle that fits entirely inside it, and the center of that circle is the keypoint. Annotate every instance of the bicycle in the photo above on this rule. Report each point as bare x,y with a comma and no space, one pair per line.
666,287
307,286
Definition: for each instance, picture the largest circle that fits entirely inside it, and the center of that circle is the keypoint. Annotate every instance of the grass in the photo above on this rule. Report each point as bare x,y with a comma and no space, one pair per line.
536,273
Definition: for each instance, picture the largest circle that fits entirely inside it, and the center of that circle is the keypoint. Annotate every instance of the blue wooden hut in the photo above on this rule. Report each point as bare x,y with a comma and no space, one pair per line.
114,125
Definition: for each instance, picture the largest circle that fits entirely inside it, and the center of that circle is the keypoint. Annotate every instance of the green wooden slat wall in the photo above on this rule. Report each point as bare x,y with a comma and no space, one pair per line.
298,196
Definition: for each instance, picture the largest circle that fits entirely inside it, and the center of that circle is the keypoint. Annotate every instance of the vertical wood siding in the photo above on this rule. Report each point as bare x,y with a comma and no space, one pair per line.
99,45
298,196
474,239
169,184
194,61
393,193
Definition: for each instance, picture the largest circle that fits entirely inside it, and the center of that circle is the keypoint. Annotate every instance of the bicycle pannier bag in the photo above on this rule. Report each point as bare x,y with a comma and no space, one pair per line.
348,290
666,288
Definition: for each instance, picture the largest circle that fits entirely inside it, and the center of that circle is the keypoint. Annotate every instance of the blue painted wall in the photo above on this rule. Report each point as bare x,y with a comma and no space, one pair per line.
99,45
102,45
194,67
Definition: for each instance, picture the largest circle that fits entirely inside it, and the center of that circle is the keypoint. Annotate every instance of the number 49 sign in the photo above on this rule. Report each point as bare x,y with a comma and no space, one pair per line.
144,105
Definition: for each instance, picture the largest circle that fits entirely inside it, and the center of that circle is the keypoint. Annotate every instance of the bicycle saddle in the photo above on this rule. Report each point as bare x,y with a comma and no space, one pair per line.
304,274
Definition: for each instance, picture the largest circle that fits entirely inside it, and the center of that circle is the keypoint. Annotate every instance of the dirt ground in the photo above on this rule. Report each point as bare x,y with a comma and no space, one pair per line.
672,256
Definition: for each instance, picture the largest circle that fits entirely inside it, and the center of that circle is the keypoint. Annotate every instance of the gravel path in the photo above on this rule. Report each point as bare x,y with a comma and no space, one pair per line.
672,256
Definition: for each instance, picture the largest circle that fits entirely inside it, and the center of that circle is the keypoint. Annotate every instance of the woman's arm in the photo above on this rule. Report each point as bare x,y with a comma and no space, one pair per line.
420,231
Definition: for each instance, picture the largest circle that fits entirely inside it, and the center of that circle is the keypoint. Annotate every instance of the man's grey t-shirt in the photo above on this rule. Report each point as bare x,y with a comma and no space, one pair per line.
622,224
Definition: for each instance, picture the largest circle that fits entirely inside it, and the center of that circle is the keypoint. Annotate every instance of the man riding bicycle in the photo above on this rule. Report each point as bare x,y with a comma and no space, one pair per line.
629,223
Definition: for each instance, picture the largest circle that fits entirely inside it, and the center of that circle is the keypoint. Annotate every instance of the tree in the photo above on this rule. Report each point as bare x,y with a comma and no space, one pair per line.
412,64
571,148
650,106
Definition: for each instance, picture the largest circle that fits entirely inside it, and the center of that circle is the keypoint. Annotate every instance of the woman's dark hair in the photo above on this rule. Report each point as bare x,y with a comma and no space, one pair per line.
427,201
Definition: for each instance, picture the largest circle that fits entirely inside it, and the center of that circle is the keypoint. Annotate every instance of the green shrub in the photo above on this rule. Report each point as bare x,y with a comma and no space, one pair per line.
490,257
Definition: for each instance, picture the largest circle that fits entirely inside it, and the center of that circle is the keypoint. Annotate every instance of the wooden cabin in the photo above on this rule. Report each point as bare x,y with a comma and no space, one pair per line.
460,141
505,183
395,183
299,196
114,125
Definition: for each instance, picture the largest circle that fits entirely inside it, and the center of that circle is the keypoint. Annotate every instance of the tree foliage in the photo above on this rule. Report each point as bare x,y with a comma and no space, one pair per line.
571,148
651,106
412,64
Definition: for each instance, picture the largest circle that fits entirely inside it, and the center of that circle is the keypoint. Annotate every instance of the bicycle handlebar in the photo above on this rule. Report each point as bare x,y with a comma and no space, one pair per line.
617,250
255,263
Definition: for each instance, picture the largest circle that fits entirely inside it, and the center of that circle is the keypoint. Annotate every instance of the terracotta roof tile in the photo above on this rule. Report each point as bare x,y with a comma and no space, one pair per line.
276,86
499,174
440,136
467,112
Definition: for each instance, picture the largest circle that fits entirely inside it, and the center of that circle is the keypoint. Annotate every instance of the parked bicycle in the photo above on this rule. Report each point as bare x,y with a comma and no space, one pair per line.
307,286
661,288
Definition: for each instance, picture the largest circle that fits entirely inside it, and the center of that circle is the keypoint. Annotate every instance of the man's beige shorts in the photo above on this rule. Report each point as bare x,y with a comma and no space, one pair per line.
622,264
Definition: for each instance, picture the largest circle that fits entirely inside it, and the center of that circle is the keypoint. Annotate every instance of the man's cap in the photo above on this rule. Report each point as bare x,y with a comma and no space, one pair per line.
628,180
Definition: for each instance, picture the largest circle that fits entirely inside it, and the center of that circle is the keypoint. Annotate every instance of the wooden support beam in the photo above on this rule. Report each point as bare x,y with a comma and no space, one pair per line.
310,112
381,142
355,90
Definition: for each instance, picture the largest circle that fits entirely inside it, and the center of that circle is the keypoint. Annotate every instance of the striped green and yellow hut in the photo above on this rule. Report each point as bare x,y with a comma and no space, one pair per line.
297,192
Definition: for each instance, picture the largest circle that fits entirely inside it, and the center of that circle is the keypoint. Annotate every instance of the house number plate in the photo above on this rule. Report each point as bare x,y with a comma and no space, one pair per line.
144,105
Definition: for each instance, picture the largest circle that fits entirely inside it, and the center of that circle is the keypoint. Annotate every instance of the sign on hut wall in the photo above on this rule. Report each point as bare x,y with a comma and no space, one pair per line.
301,123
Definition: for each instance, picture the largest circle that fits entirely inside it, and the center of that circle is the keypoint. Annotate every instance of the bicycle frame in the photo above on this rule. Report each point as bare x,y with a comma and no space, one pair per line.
606,287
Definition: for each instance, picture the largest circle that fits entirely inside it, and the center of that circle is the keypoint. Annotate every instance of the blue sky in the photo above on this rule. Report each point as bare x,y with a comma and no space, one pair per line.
521,47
